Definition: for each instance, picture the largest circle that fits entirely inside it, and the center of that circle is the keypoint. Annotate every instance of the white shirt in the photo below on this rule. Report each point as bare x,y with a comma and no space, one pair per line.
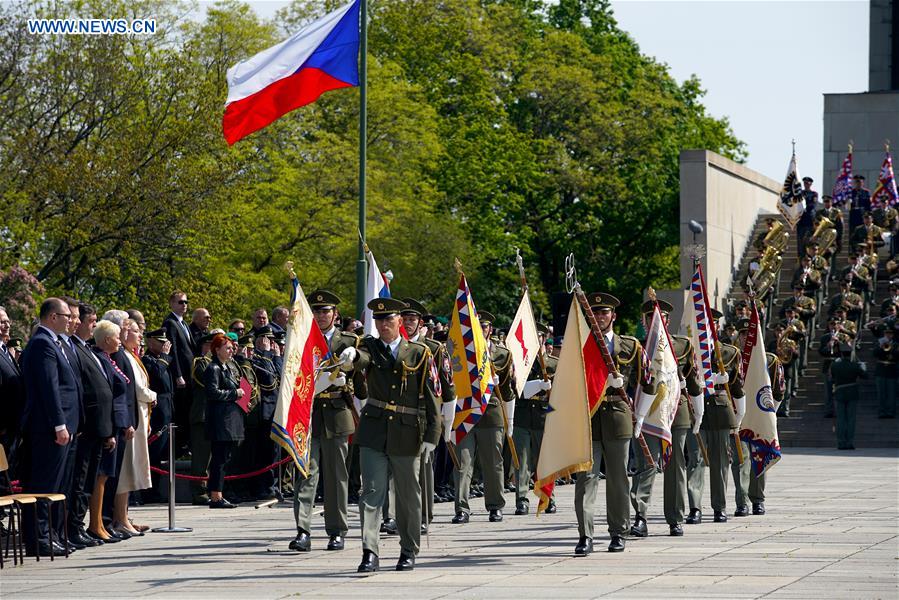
329,334
394,345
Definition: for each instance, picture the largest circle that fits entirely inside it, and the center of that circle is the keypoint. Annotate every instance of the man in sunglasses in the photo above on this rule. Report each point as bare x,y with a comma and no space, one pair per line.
177,331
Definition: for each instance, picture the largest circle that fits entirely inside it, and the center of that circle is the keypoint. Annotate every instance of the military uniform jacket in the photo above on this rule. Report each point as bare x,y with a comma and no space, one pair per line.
803,305
850,299
410,412
719,411
269,380
683,350
332,410
887,360
160,381
444,370
502,363
245,366
198,402
845,374
828,353
530,413
614,417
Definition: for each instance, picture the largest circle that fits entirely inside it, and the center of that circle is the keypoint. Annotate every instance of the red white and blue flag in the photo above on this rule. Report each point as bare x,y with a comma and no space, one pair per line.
698,324
842,188
886,194
376,286
321,57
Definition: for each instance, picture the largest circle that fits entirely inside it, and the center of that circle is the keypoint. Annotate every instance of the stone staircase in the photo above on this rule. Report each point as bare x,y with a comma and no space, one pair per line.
807,426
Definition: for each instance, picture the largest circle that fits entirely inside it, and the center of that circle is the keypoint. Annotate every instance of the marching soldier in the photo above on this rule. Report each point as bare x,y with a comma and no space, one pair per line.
612,425
412,322
845,373
530,417
332,424
399,424
675,483
886,372
829,349
486,438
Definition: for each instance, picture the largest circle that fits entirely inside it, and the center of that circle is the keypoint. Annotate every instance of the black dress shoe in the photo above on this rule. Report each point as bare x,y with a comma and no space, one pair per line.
335,543
110,540
720,517
695,517
45,549
638,529
120,533
81,537
73,545
389,527
98,541
301,543
741,511
221,504
522,507
758,508
424,528
676,531
406,562
369,562
551,508
461,517
496,515
617,544
584,547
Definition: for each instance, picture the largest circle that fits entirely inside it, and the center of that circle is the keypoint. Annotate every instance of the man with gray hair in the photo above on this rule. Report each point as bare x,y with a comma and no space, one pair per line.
115,316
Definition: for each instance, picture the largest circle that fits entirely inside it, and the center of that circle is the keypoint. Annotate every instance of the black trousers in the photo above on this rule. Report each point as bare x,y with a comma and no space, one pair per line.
221,456
84,475
50,468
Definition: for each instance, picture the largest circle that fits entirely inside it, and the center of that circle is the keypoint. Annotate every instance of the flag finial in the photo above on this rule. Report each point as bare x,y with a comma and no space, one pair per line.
288,266
457,264
652,294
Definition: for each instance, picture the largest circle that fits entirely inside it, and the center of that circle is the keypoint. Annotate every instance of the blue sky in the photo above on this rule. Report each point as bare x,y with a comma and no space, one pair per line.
765,65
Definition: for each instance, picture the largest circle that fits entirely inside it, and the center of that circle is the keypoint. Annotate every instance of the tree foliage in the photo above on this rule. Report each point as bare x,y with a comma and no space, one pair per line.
493,125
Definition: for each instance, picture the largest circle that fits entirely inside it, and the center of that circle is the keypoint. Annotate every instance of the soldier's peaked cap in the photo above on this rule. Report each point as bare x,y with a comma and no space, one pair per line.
486,317
382,308
602,300
323,299
649,306
157,334
415,307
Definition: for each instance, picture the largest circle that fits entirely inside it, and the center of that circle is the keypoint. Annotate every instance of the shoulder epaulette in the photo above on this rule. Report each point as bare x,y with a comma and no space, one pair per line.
688,346
636,349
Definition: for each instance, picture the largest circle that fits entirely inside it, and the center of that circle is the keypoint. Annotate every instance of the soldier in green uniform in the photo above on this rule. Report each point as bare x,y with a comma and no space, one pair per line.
332,424
244,455
485,440
200,449
845,373
268,378
675,484
530,417
399,424
412,322
612,426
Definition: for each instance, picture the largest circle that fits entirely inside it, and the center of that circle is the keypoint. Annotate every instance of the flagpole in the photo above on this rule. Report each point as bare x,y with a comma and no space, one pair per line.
363,142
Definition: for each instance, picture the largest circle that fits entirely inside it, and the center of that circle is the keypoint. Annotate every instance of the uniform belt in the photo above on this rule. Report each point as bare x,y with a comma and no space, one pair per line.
403,410
720,388
844,385
326,395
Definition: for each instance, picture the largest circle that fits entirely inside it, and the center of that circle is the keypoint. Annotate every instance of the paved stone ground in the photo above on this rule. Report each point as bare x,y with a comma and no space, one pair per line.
831,531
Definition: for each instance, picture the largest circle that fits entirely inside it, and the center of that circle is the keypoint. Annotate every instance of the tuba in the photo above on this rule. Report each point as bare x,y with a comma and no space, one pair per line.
777,238
786,348
825,234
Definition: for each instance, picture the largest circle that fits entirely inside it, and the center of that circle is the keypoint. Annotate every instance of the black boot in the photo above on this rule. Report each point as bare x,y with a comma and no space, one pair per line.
521,507
584,547
301,543
639,527
676,530
461,517
369,562
406,562
389,527
496,515
551,509
758,508
741,511
720,517
617,544
335,543
695,517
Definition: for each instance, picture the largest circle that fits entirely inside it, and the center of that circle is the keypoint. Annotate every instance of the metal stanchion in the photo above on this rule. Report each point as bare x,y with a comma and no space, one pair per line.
171,528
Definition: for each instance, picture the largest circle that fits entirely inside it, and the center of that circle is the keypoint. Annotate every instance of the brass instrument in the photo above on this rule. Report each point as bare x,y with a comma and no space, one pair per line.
777,238
771,260
825,234
786,348
763,281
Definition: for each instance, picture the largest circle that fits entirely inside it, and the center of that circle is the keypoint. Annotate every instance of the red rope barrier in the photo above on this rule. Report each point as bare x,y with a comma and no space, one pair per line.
227,477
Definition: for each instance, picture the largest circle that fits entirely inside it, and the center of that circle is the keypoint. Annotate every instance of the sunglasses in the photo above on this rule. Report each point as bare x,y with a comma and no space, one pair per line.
182,301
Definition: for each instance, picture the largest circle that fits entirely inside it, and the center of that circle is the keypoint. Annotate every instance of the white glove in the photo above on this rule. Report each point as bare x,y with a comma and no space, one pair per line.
339,380
495,379
511,427
347,357
322,382
698,410
359,403
863,366
546,385
427,448
534,387
448,412
638,427
741,409
721,378
683,384
616,381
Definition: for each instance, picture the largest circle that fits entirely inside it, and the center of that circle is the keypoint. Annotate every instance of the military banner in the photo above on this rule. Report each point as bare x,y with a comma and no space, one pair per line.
579,382
304,348
792,204
470,360
523,343
886,194
842,187
655,412
759,425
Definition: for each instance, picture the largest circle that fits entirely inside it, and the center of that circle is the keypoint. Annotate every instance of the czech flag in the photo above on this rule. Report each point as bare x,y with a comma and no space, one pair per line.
323,56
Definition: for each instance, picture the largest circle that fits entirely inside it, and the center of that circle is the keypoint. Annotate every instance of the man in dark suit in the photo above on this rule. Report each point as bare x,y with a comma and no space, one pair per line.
12,399
50,420
178,333
199,326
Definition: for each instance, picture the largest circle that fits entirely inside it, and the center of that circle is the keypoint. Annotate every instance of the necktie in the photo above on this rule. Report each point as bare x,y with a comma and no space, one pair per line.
63,352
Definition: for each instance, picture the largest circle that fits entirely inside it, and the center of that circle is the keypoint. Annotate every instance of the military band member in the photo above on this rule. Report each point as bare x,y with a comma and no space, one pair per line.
849,300
530,417
886,371
200,448
835,216
859,201
412,322
268,378
399,424
845,373
866,232
858,275
675,483
829,349
612,426
486,439
332,424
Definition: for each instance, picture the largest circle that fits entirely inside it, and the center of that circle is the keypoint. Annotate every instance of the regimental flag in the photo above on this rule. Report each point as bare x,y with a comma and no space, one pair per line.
842,188
470,359
759,426
886,194
696,324
321,57
523,343
792,204
376,286
567,440
304,348
657,411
